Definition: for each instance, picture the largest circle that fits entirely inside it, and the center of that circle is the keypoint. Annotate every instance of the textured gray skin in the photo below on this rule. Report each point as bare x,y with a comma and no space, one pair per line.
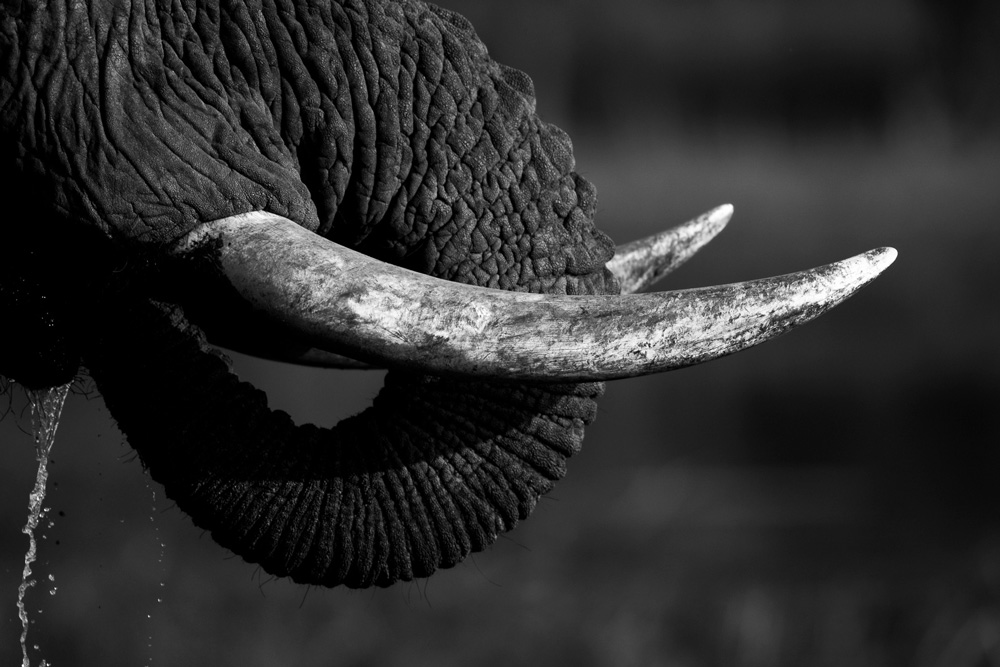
380,125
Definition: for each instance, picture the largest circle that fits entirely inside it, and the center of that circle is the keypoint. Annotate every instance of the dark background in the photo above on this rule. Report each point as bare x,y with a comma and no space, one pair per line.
826,499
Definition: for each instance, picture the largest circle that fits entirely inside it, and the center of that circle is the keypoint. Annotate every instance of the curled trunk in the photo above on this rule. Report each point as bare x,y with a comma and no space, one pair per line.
433,470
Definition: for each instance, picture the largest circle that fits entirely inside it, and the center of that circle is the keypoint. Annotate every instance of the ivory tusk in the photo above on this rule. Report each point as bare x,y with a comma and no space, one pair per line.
640,264
341,300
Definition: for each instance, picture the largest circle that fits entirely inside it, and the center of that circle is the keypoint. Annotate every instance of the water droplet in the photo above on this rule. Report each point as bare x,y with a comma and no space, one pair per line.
160,559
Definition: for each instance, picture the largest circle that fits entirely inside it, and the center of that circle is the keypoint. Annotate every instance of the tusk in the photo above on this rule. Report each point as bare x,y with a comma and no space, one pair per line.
640,264
342,300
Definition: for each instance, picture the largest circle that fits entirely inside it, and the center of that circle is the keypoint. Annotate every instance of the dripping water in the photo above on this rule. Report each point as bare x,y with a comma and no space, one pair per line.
46,407
160,563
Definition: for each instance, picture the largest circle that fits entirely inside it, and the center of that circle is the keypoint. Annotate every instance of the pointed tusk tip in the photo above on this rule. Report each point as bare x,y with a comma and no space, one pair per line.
862,269
716,219
707,226
881,258
723,211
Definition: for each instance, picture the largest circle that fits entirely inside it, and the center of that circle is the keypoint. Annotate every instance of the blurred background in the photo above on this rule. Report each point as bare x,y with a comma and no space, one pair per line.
826,499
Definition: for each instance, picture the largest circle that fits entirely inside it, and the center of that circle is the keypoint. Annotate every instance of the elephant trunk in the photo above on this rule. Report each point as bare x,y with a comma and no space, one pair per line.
433,470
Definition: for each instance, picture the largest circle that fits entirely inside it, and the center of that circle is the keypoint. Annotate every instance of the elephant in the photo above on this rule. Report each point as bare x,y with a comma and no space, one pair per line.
338,183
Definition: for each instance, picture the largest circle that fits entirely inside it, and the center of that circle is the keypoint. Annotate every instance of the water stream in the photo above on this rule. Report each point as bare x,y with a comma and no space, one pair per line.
46,407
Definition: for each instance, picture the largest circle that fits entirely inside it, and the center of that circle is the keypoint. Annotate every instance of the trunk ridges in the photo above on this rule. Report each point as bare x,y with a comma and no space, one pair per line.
436,468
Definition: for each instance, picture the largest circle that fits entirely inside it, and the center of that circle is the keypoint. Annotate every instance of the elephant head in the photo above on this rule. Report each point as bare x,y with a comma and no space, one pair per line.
325,181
